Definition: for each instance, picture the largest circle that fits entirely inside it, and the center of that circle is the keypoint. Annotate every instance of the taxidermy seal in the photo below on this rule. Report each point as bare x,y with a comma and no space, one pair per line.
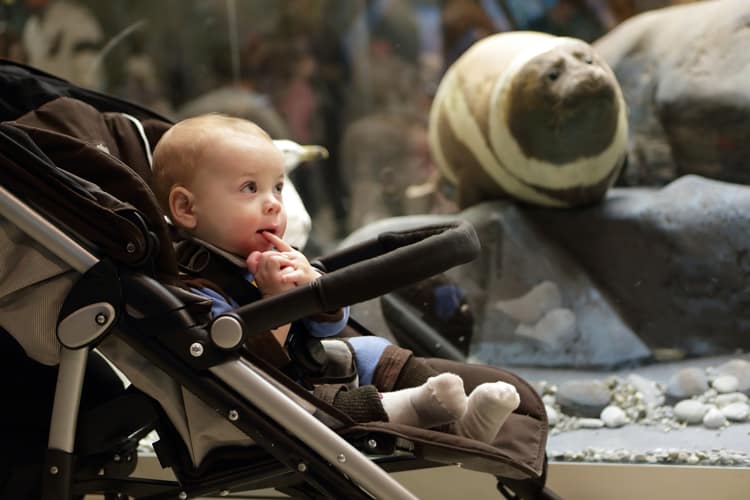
532,116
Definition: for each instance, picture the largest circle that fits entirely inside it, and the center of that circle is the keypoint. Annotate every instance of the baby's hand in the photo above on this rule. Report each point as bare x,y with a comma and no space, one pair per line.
280,269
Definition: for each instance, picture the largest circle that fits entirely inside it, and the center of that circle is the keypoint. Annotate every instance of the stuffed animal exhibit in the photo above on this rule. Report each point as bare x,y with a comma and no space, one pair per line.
530,116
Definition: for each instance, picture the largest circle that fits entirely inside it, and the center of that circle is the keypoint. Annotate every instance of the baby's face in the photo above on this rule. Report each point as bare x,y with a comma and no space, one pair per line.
237,193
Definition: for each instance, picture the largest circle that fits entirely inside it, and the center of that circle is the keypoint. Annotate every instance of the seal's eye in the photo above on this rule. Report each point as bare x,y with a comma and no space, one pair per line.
588,59
553,75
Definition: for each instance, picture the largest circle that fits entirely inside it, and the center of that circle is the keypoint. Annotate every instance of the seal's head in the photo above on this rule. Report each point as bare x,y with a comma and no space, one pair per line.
562,104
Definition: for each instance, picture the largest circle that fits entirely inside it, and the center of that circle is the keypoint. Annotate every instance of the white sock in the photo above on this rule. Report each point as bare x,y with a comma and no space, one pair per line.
440,400
487,409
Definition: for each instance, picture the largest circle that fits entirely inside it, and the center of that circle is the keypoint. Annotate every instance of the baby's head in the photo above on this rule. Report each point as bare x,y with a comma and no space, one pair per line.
220,178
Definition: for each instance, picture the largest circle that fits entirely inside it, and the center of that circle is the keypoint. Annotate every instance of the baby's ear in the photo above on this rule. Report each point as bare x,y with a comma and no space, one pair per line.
181,207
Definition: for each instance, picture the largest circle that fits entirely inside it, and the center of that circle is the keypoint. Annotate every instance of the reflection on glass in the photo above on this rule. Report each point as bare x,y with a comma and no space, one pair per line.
629,315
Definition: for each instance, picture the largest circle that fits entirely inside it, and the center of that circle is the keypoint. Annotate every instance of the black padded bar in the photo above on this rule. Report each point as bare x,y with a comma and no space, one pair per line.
368,270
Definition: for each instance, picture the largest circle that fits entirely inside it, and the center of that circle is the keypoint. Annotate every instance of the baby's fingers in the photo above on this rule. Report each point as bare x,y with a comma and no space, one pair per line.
253,260
280,244
291,275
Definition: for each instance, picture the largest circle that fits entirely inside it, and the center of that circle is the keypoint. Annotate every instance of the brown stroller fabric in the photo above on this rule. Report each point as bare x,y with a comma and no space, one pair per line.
517,452
83,140
97,187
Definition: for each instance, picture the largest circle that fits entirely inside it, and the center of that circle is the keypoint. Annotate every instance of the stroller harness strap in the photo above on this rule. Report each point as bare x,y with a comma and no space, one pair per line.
207,269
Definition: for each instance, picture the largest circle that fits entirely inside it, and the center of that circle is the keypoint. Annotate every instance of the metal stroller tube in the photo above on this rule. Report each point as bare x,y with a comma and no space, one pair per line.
41,230
332,447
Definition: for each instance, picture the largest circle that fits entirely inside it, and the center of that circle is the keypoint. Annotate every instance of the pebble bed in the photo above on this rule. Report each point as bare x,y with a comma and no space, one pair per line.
714,398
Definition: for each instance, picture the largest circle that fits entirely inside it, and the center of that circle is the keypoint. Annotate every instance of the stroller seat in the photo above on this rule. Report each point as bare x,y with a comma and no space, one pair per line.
74,193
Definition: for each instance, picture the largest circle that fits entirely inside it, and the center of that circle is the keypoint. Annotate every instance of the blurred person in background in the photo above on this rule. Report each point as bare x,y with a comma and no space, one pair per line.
464,22
574,18
241,97
312,74
64,38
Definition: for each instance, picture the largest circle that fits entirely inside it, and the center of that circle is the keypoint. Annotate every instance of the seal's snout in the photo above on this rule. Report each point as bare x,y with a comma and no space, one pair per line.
592,87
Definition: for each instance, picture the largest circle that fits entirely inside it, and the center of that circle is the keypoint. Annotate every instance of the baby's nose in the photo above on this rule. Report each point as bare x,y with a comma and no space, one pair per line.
271,205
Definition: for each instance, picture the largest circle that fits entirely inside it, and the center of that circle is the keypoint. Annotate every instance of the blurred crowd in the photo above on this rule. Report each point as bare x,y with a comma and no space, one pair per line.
355,76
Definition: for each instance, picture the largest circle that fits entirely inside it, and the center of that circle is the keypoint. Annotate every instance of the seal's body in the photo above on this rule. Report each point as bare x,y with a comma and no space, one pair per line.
532,116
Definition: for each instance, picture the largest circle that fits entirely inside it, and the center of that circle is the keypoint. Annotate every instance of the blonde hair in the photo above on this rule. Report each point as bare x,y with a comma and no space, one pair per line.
178,153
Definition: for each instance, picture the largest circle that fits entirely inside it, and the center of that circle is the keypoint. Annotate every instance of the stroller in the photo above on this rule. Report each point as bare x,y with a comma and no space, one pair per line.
89,273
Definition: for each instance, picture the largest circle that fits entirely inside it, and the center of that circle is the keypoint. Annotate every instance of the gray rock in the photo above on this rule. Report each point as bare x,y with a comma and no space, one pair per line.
554,331
679,276
506,270
583,398
530,307
683,268
736,412
613,416
740,369
688,109
691,411
687,383
714,419
725,384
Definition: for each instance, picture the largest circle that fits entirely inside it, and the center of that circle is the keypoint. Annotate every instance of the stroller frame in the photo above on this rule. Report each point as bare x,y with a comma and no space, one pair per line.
319,446
324,455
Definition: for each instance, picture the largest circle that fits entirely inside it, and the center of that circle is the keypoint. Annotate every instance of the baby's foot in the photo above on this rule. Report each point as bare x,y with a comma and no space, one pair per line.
488,406
440,400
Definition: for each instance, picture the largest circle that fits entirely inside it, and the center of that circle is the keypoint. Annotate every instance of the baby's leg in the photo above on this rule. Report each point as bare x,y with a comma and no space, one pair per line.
488,406
440,400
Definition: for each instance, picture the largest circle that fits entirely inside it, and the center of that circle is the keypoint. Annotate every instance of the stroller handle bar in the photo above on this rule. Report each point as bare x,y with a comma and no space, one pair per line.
367,270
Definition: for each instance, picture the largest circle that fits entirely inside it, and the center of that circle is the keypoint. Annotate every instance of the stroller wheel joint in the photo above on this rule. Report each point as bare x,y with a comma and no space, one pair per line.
234,415
341,458
372,444
101,319
302,467
54,470
182,495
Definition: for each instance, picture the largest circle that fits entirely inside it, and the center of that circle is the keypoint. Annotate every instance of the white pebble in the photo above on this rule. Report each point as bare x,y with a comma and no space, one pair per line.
590,423
733,397
690,411
725,384
714,419
613,416
736,412
552,416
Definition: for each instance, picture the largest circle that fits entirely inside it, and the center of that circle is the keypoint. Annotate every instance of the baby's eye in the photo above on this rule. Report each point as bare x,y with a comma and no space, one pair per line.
250,187
279,187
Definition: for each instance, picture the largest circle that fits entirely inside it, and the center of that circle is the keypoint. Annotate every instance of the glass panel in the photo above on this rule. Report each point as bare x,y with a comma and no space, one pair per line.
628,313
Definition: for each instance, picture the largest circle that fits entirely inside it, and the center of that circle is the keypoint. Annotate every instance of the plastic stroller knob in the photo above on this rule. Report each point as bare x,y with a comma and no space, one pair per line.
226,332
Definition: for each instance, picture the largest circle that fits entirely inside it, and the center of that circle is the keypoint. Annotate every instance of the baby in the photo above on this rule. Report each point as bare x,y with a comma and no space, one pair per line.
220,179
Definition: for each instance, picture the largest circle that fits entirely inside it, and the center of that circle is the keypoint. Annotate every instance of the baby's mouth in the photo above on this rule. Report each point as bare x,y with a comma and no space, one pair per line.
266,230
